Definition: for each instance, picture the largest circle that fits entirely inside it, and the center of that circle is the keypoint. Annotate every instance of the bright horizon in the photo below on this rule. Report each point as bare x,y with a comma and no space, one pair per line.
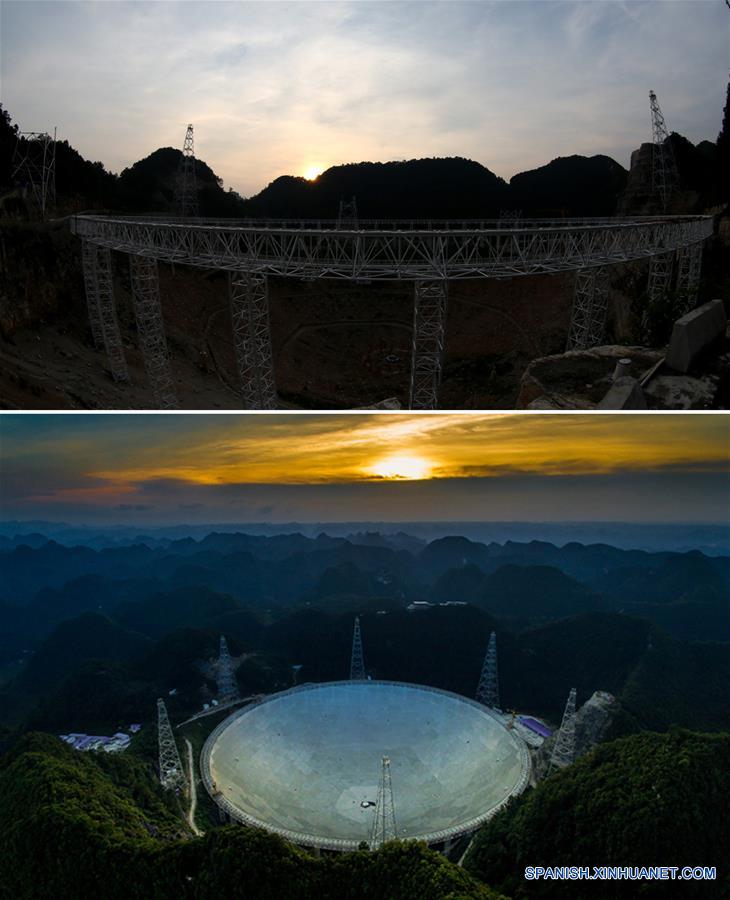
295,88
397,467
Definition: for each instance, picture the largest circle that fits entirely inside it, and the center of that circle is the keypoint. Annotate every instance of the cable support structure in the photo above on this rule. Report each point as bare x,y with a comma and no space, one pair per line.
381,254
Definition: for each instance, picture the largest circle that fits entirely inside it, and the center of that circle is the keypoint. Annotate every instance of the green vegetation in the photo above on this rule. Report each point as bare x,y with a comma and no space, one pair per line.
78,824
647,799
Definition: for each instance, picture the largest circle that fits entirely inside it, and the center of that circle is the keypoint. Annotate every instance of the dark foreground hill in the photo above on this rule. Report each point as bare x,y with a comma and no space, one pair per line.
77,825
645,800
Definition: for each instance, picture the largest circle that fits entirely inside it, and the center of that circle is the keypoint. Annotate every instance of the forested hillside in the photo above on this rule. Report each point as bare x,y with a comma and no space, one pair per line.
78,825
649,799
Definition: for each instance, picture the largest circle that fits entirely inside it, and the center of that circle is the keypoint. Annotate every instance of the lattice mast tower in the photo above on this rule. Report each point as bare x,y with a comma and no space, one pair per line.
34,163
564,748
357,661
227,684
186,193
384,823
172,775
488,688
664,175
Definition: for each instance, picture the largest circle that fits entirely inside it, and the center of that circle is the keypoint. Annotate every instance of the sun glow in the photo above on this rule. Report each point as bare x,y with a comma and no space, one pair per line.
409,468
313,171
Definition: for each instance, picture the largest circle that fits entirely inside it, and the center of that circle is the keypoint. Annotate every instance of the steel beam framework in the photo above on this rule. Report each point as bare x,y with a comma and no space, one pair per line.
252,340
564,748
590,306
689,266
172,775
660,280
102,311
384,828
357,660
88,259
429,323
488,688
34,160
446,251
151,329
186,188
664,175
226,674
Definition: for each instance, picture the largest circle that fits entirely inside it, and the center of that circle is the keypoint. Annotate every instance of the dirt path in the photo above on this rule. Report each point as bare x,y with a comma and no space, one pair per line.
193,791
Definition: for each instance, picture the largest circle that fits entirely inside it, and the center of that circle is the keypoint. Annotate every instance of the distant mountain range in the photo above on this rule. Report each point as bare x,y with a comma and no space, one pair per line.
413,189
128,622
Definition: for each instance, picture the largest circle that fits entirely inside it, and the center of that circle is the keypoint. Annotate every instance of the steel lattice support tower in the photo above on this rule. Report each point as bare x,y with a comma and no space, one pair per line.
664,176
34,160
252,339
151,329
186,187
88,259
172,774
429,321
689,266
564,748
660,279
227,684
100,302
384,823
590,306
347,216
357,660
488,688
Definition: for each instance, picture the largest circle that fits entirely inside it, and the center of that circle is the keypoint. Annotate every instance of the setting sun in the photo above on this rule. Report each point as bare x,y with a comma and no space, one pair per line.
413,468
312,172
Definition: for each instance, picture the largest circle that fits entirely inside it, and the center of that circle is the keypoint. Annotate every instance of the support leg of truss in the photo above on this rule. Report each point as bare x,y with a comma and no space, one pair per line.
590,305
88,259
100,282
252,339
429,321
660,279
151,329
689,266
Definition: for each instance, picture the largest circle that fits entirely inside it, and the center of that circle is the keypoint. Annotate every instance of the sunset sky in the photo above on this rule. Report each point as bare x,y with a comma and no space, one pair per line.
293,87
159,469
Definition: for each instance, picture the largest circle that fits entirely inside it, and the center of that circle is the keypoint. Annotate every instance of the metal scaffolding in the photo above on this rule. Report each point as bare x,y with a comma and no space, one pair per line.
186,186
564,748
34,165
660,280
151,329
357,660
664,175
488,688
429,322
384,822
393,252
252,339
172,774
590,306
226,674
689,266
102,311
347,216
88,259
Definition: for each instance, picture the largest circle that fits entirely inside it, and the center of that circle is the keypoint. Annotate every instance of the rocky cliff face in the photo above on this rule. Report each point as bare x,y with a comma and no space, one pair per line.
592,722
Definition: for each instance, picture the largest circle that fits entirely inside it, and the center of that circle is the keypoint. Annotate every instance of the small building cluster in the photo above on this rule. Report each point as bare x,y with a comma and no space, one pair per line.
114,744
